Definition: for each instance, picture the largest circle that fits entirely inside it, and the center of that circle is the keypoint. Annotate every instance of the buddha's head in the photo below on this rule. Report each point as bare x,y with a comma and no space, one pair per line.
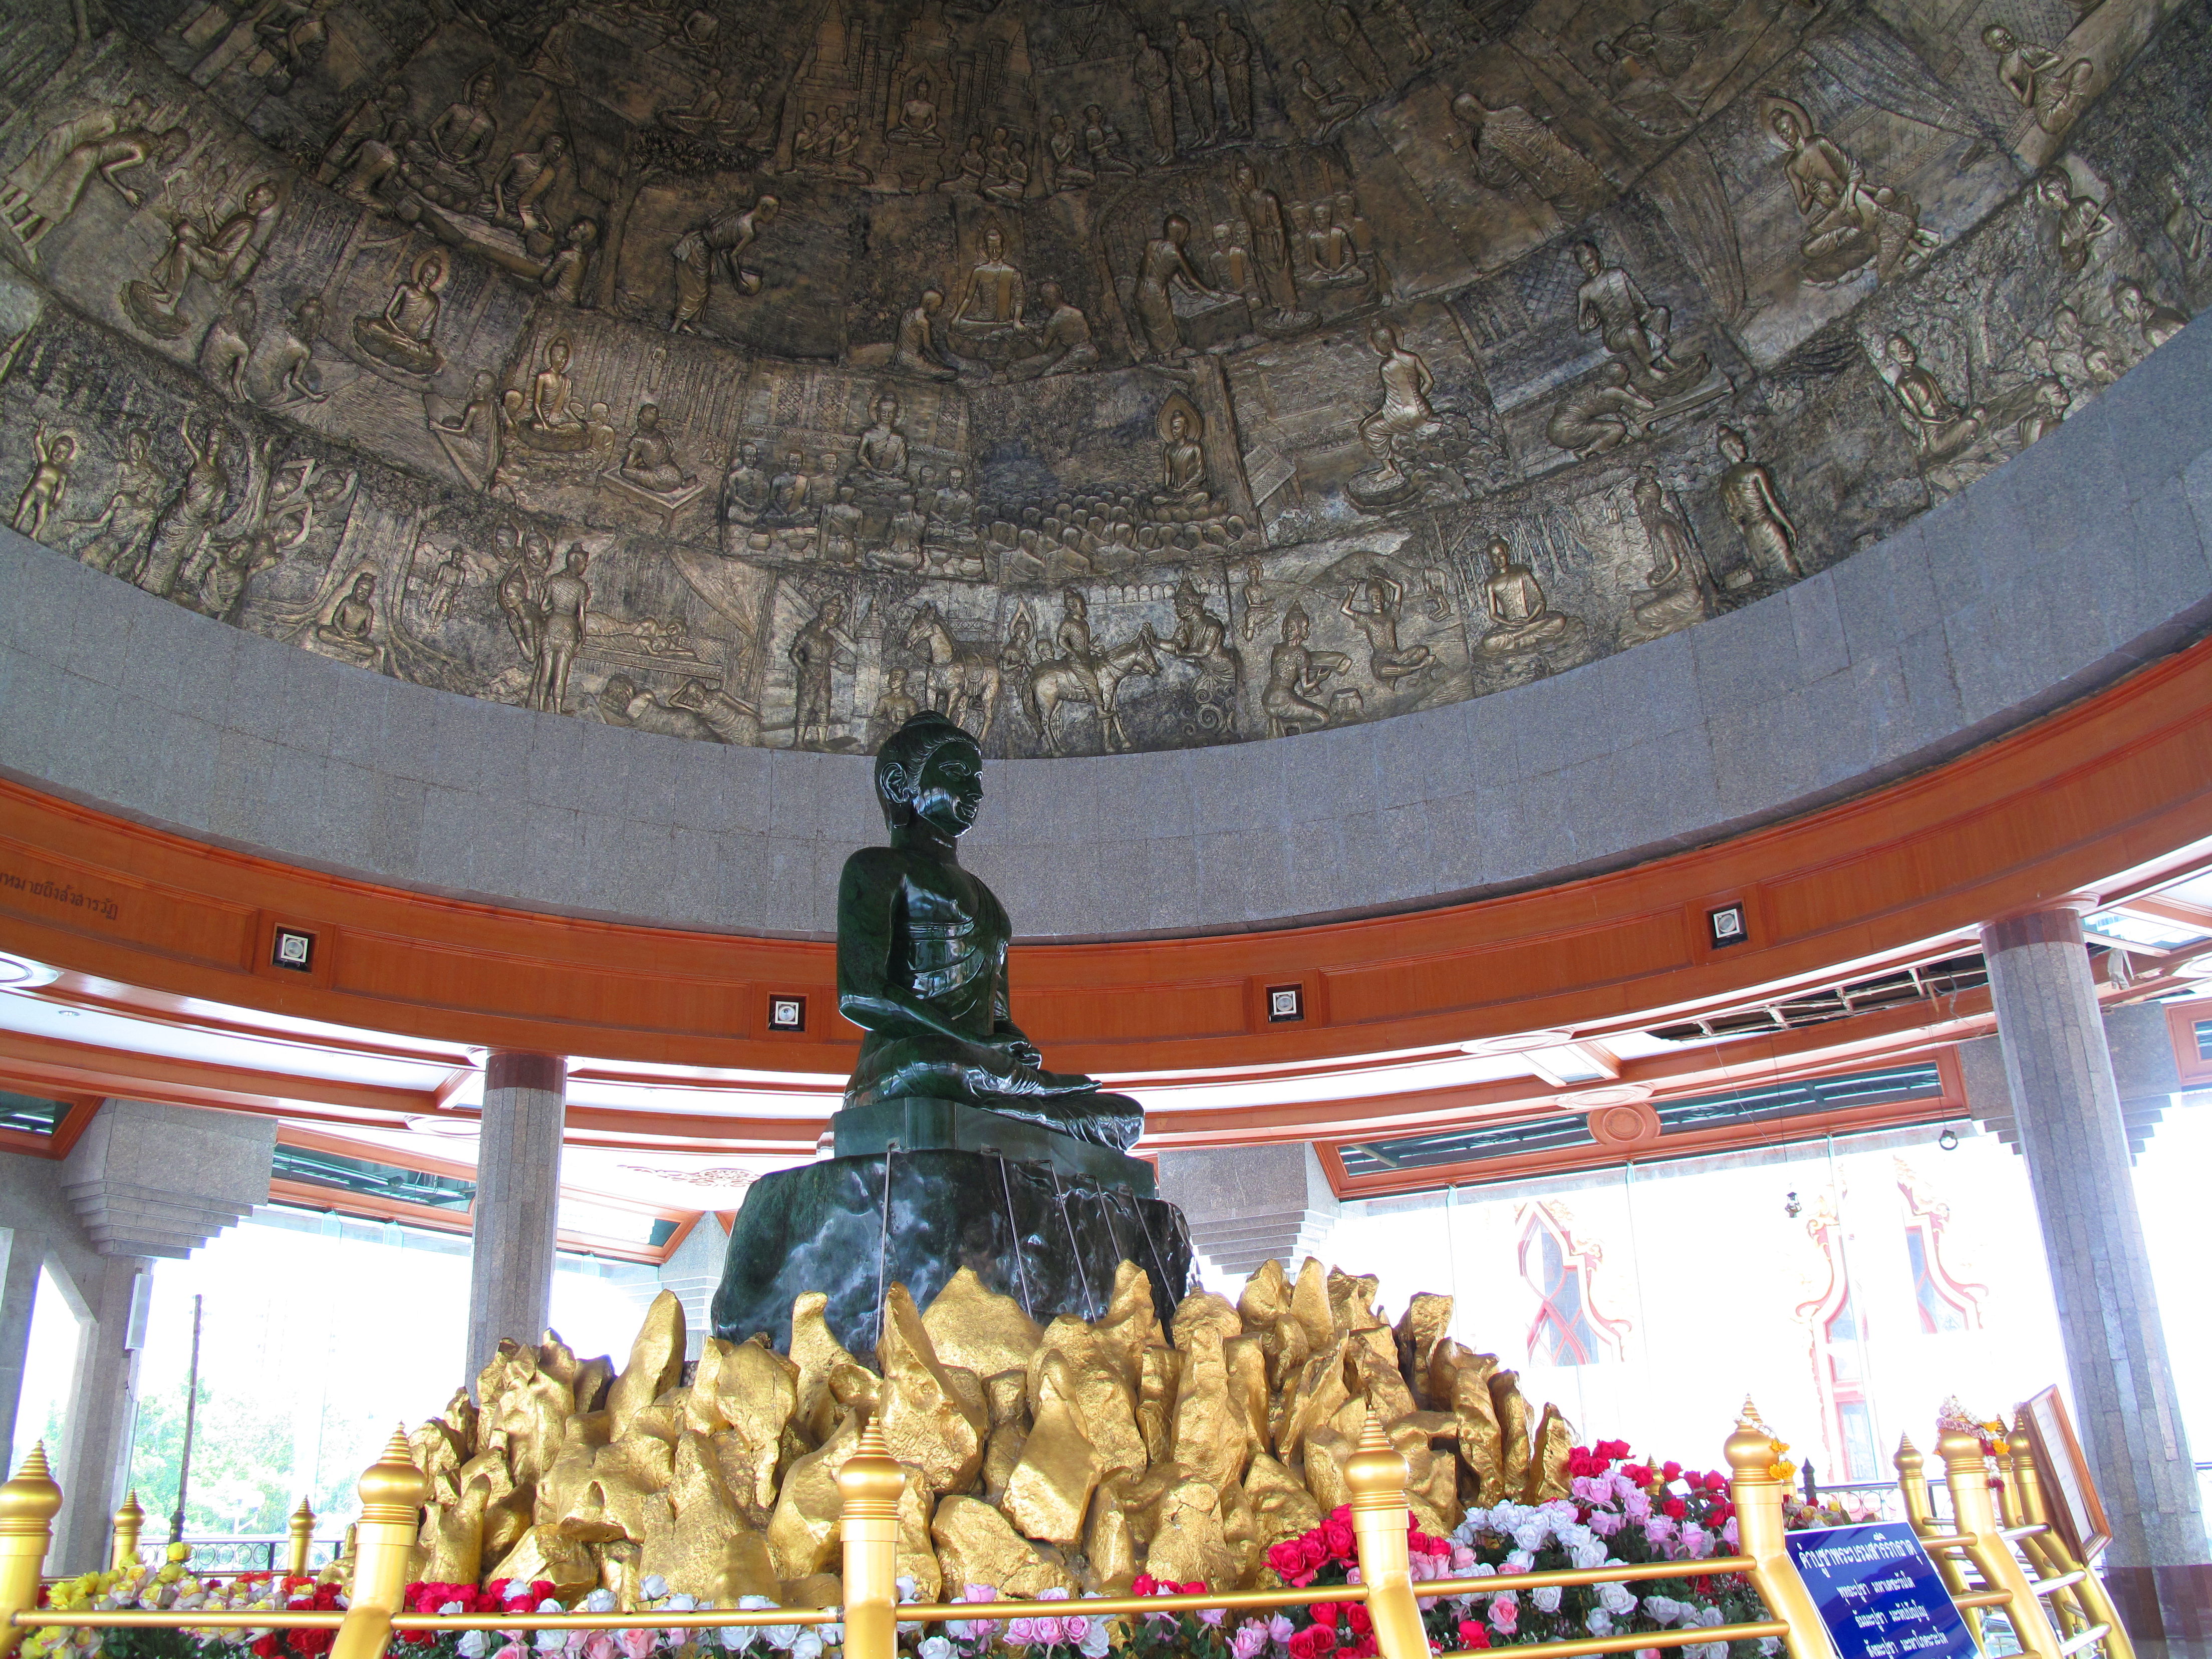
930,770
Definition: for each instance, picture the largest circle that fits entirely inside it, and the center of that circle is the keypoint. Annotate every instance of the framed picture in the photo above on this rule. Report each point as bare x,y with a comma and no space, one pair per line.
2069,1491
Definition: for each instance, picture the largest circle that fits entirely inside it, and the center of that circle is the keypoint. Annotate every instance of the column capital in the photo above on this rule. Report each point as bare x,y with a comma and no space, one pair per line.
2052,921
512,1068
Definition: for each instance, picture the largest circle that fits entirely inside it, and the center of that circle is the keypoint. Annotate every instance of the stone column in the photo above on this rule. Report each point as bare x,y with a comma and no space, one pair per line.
2058,1072
19,1298
103,1413
1248,1204
515,1221
145,1181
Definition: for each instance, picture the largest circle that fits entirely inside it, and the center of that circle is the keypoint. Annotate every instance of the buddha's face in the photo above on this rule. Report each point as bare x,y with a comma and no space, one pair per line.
949,791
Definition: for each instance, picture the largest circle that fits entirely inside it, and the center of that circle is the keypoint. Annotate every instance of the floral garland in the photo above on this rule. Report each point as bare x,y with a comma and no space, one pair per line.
1617,1511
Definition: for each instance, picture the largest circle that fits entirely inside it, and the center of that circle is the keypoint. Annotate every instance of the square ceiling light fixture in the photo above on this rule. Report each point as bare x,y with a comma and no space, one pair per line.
295,950
786,1013
1728,925
1286,1002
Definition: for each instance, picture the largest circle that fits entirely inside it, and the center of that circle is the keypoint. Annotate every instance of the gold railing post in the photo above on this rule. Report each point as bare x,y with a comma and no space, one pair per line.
1380,1520
128,1522
1913,1485
29,1504
1761,1478
2008,1495
392,1493
303,1537
1967,1469
869,1487
1920,1510
2090,1592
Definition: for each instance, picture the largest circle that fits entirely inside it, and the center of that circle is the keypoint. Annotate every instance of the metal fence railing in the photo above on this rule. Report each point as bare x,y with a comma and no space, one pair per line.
2010,1567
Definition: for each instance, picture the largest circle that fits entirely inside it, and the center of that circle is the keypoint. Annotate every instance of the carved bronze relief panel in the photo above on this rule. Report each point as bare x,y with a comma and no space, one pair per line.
1109,376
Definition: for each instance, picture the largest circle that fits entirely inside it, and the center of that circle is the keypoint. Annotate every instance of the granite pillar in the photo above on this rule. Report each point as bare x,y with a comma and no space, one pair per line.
19,1301
515,1221
2058,1071
144,1180
93,1463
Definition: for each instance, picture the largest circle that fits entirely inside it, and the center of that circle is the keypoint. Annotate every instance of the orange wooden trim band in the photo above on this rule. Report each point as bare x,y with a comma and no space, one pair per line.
2108,786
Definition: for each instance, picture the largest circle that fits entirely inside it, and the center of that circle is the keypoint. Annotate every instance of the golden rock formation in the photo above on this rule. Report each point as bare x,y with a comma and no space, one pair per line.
974,1327
1048,1491
1072,1456
935,1415
976,1545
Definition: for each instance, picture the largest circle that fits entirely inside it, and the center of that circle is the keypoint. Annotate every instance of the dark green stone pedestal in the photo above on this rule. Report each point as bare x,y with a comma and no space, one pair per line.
852,1227
913,1124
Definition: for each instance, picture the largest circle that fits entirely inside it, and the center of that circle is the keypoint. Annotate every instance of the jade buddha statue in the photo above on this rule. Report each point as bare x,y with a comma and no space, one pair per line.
922,956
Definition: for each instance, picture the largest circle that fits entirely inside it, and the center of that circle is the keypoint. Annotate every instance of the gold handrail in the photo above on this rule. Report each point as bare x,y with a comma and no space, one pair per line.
1380,1517
2090,1604
1761,1478
1630,1644
1967,1470
174,1618
392,1493
870,1483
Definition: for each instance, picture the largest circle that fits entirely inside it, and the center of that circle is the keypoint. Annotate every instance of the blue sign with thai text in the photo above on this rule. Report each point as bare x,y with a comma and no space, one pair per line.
1879,1594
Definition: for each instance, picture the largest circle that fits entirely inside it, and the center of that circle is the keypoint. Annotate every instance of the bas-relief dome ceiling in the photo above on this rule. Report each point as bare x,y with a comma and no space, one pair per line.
1110,375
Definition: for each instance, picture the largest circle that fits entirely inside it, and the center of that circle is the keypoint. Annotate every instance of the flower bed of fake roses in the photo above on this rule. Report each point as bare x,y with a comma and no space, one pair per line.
1617,1510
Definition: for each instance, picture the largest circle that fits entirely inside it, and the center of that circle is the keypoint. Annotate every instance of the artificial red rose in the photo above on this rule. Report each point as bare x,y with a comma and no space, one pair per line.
1284,1558
1339,1538
1325,1613
265,1647
1670,1471
1196,1587
1638,1474
1675,1507
1358,1617
1147,1585
1365,1648
1472,1633
1312,1642
1612,1450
